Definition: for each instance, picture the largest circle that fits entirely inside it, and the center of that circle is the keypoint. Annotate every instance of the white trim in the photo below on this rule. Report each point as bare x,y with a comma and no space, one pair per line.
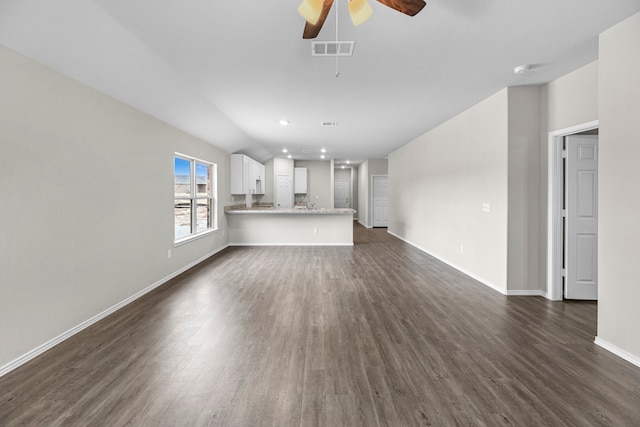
554,208
363,224
527,293
71,332
193,237
290,244
460,269
188,157
193,197
631,358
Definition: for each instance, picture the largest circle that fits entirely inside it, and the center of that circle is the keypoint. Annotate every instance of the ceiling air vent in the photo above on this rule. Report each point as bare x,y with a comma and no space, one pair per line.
339,48
329,124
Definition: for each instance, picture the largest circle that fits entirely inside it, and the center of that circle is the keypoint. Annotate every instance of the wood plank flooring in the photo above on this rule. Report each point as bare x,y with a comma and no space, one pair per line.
379,334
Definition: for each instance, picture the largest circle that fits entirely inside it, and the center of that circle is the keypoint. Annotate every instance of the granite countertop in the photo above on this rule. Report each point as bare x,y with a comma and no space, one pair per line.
262,210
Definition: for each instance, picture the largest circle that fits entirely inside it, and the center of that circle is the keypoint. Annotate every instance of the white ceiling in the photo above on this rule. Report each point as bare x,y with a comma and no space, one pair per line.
228,71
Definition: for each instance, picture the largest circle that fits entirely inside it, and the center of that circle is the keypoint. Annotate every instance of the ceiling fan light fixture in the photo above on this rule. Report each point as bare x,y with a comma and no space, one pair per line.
311,10
360,11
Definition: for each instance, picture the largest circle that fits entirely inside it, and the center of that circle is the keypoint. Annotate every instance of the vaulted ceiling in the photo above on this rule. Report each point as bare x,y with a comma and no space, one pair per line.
229,71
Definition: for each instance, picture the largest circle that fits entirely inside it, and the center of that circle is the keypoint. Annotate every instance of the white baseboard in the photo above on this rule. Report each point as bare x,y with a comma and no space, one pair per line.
631,358
363,224
60,338
460,269
290,244
527,292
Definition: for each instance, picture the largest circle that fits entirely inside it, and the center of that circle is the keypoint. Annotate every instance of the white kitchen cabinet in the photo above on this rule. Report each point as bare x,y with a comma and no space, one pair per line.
247,175
257,178
300,180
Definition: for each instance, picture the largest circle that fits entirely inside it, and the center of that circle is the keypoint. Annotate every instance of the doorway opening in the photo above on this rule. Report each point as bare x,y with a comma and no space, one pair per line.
566,241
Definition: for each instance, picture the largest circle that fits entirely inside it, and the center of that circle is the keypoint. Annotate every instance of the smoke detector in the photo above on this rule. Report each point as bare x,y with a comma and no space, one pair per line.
522,69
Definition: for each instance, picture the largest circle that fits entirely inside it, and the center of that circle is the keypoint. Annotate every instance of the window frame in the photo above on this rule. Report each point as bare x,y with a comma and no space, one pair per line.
193,198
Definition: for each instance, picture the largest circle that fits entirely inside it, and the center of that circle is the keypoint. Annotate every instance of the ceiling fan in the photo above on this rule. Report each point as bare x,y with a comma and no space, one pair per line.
316,11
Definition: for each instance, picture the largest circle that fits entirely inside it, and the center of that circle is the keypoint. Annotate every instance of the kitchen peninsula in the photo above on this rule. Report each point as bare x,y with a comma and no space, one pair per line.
267,226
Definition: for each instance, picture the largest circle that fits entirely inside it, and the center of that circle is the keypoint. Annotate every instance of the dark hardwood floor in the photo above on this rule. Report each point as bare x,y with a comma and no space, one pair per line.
375,335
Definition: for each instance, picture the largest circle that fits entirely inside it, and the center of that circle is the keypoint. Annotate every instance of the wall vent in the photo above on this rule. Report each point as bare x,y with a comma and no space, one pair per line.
332,48
329,124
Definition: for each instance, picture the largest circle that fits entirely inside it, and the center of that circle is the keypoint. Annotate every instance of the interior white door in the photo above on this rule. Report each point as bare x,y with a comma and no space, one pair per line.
284,191
380,198
341,194
581,203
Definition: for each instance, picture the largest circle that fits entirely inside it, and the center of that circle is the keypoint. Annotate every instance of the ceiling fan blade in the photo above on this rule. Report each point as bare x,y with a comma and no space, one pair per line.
311,31
360,11
408,7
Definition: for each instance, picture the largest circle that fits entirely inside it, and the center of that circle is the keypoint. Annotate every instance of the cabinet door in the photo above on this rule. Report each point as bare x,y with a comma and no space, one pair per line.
260,178
300,180
247,176
237,174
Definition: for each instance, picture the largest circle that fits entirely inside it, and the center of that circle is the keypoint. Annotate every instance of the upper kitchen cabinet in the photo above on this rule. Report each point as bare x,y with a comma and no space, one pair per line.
247,175
300,180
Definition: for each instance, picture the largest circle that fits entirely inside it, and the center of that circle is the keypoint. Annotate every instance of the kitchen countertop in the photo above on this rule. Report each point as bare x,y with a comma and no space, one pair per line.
261,210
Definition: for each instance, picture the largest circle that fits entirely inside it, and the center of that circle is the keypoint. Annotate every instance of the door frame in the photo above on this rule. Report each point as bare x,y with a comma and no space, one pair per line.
555,233
372,204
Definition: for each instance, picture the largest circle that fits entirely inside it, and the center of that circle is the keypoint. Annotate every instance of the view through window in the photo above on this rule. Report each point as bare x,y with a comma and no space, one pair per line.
194,197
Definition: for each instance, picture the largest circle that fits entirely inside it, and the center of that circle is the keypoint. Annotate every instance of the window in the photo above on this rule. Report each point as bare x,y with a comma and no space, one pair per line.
194,197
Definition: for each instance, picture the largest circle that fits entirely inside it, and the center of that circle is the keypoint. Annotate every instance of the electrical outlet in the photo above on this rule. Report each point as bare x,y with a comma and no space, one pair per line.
169,254
315,230
462,249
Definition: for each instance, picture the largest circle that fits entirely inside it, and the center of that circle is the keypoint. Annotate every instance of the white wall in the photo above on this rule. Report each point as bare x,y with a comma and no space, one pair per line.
572,99
619,197
354,191
86,216
318,183
523,267
439,182
363,193
269,192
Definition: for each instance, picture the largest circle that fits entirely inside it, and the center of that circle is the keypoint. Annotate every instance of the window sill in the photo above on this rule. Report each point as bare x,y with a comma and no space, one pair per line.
191,238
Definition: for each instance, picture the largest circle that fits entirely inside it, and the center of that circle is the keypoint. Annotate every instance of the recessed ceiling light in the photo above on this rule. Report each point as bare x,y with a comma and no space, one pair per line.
322,156
323,150
284,150
342,166
284,122
348,161
289,156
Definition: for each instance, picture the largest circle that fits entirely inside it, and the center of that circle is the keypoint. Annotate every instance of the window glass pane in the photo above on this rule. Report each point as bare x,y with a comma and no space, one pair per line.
203,179
182,177
204,215
182,215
